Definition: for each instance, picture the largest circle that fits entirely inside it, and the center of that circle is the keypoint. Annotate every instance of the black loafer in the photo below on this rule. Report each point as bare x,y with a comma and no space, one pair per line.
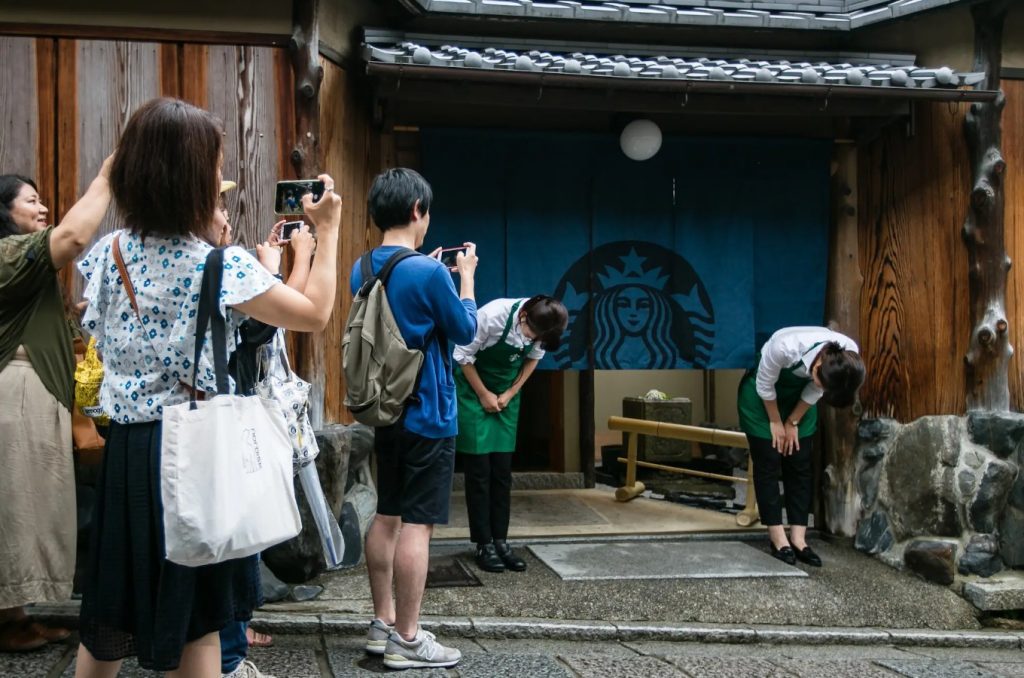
509,557
806,555
487,559
786,554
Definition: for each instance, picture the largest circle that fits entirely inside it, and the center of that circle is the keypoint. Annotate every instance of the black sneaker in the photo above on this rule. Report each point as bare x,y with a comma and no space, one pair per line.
509,557
487,559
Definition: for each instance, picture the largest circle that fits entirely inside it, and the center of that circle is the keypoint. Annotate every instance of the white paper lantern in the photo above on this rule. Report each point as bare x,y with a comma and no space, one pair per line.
640,140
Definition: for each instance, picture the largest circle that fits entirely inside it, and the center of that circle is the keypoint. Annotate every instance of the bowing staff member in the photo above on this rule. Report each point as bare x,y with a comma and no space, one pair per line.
797,367
512,336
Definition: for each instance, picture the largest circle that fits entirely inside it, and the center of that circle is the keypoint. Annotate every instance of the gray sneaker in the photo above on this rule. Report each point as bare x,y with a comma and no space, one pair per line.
377,636
423,652
246,670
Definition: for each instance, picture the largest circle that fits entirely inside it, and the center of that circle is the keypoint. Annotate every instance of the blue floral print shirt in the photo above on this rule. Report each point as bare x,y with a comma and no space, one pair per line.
147,366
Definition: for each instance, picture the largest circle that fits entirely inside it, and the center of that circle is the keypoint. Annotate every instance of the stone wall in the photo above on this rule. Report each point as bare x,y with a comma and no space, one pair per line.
942,496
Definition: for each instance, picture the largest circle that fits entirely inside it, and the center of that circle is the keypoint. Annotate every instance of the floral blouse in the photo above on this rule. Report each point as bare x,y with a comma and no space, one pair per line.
147,365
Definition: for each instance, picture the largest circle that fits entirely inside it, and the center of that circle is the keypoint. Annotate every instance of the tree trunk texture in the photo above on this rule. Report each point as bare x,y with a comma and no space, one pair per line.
306,160
987,359
841,501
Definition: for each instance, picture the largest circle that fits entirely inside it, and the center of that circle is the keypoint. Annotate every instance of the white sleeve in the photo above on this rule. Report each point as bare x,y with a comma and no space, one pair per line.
490,322
536,353
774,358
812,393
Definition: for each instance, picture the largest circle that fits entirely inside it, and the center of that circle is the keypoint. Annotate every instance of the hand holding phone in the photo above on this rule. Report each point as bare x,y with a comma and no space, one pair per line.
288,229
449,257
288,199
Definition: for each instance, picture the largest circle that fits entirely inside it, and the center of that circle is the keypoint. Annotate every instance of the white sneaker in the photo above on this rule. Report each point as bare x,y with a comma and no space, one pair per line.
246,670
422,652
377,636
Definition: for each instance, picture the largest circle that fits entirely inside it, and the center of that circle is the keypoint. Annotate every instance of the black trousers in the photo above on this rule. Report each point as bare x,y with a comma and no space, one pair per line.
796,474
488,495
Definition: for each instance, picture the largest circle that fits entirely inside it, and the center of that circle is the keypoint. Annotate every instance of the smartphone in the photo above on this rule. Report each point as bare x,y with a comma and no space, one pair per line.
449,256
289,228
289,195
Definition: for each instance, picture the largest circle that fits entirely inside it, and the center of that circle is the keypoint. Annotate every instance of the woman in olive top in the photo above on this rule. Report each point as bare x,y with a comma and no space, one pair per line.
511,337
37,365
778,411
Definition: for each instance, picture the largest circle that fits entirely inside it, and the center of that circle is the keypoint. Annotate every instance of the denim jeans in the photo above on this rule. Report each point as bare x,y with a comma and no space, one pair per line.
234,646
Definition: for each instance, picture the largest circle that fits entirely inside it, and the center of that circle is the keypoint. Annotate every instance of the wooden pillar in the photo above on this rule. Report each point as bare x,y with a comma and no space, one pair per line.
987,360
307,161
841,501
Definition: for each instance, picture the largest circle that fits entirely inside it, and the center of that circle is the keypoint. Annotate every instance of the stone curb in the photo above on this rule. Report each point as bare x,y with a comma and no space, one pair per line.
573,630
580,630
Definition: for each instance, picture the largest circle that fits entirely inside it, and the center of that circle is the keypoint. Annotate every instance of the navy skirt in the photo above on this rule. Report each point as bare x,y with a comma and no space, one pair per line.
134,601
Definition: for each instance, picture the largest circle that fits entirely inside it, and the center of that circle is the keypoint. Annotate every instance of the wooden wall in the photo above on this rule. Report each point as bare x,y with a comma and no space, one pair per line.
914,326
1013,152
354,151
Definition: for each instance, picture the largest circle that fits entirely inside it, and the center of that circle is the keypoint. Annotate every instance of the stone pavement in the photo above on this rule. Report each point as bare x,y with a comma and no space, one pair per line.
852,590
341,656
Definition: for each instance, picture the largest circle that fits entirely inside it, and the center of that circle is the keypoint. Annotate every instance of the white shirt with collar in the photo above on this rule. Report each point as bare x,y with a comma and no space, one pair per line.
790,346
490,324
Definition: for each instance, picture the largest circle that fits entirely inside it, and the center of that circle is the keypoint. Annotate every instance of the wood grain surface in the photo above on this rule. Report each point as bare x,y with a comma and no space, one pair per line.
19,113
913,316
1013,153
241,92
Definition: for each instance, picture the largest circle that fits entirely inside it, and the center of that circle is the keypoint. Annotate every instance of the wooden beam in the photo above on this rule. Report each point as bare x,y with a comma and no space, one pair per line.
307,162
457,94
841,499
173,35
988,358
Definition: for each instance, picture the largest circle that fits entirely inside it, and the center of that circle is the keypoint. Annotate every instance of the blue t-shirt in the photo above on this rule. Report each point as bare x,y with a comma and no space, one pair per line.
422,297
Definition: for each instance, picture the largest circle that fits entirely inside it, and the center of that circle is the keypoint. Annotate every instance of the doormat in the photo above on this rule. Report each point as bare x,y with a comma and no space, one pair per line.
661,560
447,572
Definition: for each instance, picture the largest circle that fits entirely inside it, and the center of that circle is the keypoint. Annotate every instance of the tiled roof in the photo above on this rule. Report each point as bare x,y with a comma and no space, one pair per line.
839,69
836,15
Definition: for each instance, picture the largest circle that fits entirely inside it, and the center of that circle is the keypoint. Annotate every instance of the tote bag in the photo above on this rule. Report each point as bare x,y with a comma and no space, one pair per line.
226,463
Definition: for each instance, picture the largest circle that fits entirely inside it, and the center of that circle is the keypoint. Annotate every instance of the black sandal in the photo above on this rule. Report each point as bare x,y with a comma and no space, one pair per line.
806,555
786,554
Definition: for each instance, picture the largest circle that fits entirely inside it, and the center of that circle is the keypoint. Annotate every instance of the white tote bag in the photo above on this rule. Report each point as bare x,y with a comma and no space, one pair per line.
226,464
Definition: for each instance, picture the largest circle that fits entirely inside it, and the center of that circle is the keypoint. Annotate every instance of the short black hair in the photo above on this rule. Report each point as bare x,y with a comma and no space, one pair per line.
394,194
548,319
841,373
10,188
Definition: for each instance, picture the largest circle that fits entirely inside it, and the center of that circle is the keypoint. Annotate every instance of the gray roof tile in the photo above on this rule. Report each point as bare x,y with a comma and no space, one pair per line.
844,15
836,69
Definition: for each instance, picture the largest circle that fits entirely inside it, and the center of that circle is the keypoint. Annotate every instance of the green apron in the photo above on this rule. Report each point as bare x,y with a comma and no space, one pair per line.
481,432
788,389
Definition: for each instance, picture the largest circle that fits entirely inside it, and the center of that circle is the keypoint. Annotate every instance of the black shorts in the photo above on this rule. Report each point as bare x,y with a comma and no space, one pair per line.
414,475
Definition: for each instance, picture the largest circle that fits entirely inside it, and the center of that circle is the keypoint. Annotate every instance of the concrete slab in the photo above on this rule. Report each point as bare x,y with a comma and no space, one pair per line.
912,668
1004,591
31,664
294,662
836,668
549,513
540,508
660,560
1007,669
504,665
722,667
610,667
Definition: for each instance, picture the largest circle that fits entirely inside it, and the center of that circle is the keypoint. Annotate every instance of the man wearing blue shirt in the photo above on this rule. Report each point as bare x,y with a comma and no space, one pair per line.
416,455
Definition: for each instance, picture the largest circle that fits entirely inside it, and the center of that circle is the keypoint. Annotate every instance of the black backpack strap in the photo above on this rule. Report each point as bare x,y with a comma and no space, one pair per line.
389,265
366,268
209,314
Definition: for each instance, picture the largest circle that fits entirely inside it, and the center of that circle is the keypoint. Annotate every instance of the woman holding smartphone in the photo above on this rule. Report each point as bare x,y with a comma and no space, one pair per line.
797,367
134,601
512,336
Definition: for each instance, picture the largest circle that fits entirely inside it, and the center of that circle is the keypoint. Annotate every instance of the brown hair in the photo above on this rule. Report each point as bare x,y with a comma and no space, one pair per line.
165,172
547,318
